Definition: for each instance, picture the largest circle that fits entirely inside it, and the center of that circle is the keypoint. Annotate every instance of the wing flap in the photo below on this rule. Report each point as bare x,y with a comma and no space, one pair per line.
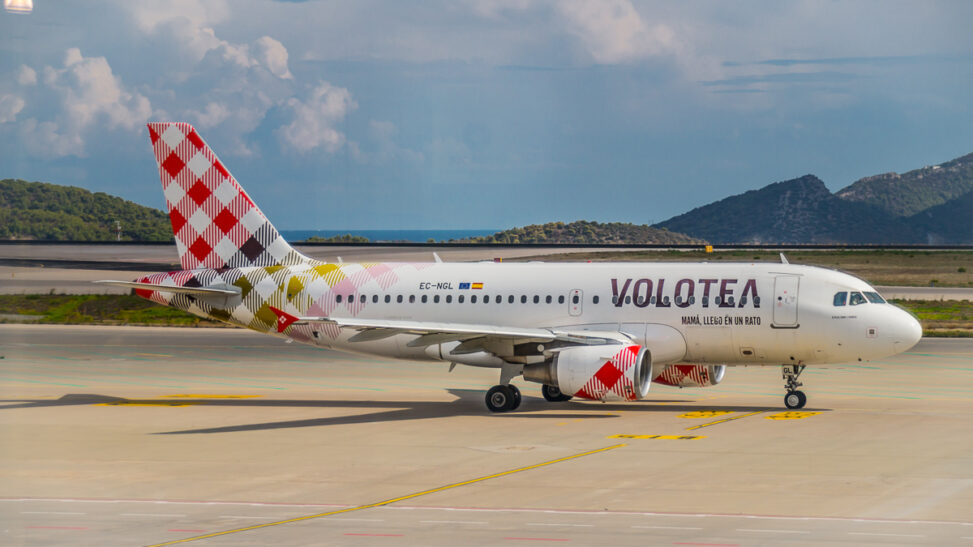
228,291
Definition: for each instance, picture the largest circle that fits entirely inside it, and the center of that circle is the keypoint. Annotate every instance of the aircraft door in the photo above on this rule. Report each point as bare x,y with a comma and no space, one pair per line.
785,301
575,301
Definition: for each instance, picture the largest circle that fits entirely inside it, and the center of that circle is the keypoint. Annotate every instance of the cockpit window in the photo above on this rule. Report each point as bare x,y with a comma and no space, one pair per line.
874,298
840,298
856,299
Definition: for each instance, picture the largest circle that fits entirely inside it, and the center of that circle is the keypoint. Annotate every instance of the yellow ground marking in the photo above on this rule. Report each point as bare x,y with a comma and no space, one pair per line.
661,437
724,420
389,501
207,396
154,354
705,413
150,403
792,415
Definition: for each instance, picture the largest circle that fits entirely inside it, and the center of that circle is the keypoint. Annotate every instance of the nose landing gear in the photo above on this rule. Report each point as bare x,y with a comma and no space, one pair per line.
794,398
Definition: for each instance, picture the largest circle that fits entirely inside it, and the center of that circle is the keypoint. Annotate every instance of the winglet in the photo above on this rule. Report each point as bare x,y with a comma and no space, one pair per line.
783,259
284,319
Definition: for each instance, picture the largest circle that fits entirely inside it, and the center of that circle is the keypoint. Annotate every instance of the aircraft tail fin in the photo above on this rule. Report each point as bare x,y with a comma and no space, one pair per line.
215,222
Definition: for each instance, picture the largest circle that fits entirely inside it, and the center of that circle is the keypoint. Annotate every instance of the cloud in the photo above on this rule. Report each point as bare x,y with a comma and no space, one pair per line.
26,75
213,115
273,55
10,106
89,94
315,119
613,31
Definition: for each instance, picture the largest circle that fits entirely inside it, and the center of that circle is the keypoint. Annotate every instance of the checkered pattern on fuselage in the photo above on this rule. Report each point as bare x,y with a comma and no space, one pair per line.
215,223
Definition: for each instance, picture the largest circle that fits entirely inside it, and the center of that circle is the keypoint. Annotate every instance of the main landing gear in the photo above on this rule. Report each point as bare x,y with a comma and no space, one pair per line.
503,398
794,398
553,394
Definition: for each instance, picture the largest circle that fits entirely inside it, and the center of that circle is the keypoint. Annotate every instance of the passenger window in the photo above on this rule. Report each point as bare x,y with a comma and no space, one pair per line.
473,299
594,299
523,299
398,299
461,299
549,299
840,298
874,298
560,299
678,300
388,298
575,299
537,299
374,299
435,299
337,299
510,299
756,301
361,299
628,299
615,300
706,301
412,299
652,300
717,300
692,299
856,298
486,299
499,299
449,299
729,300
424,298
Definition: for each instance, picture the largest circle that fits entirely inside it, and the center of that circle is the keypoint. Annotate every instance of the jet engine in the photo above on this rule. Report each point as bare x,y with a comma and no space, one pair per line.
691,375
601,373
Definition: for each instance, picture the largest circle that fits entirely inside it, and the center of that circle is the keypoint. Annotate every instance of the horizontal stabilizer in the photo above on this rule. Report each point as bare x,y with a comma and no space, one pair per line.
177,290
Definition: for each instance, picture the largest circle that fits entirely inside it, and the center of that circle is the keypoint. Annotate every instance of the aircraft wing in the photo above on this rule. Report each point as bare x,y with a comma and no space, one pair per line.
200,291
495,339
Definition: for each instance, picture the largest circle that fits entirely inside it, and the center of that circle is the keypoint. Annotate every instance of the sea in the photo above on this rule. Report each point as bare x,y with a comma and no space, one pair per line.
412,236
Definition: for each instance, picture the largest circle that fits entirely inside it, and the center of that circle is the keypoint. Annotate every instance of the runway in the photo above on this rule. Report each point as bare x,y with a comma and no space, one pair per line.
145,436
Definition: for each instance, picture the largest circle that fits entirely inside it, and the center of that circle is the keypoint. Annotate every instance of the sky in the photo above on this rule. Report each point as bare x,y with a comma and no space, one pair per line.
431,114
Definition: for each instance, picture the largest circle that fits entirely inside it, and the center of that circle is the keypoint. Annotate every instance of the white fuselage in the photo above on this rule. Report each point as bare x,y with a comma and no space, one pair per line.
733,313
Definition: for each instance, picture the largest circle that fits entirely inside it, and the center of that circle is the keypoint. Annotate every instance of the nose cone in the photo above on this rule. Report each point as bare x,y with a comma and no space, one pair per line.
906,331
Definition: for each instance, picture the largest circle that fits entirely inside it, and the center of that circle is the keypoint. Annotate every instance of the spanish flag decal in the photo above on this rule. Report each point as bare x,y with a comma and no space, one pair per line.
478,285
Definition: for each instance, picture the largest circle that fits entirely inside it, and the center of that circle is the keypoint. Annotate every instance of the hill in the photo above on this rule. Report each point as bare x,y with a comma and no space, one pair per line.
585,232
910,193
949,223
801,210
38,210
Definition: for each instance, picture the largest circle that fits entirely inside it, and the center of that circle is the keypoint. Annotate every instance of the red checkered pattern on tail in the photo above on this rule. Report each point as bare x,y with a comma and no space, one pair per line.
215,223
611,377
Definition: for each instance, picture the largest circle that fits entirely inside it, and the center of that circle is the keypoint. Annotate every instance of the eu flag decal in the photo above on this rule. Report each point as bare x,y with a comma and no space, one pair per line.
464,286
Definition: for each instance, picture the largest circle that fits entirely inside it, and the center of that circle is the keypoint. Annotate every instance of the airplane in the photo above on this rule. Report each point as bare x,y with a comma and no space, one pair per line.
596,331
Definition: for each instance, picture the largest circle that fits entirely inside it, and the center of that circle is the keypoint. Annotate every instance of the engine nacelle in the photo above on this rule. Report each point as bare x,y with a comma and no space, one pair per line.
691,375
601,373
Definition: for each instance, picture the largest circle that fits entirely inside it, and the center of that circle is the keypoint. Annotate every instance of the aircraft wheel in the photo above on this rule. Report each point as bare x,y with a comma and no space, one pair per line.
515,401
554,394
795,399
499,398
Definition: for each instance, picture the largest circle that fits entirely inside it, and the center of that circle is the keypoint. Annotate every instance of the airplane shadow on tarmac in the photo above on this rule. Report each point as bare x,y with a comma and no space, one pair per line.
467,403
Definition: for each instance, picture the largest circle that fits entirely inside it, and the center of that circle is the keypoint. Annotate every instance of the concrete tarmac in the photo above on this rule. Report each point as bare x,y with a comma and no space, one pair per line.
143,436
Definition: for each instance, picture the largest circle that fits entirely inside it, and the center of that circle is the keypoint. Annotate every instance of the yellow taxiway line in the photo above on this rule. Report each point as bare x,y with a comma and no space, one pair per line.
388,501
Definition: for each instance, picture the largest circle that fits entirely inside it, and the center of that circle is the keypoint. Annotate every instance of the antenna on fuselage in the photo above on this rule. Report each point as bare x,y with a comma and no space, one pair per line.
783,259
